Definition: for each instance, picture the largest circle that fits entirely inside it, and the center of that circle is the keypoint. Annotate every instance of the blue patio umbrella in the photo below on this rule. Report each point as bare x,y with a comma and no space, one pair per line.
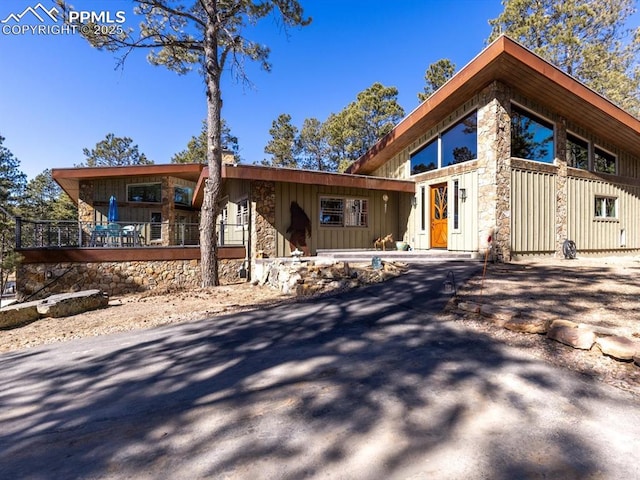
113,210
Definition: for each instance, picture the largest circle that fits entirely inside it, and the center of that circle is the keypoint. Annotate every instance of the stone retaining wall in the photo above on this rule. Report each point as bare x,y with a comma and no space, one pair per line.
36,281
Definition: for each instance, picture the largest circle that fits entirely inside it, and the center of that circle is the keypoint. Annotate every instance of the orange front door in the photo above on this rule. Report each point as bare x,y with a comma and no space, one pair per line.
439,216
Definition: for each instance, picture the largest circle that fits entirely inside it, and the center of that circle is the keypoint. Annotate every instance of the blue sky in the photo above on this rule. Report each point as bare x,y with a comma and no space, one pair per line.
59,95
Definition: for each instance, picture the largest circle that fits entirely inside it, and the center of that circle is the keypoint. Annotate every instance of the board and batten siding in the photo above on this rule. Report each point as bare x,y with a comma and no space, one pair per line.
533,212
308,197
465,237
592,234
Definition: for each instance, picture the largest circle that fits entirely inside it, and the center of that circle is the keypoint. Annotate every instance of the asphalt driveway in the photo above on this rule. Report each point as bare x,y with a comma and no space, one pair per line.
369,384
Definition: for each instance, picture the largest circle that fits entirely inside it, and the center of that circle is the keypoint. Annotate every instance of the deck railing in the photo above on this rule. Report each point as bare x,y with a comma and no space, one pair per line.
69,233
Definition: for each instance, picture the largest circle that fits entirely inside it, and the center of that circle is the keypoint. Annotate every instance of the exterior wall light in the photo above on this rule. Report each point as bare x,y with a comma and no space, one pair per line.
463,194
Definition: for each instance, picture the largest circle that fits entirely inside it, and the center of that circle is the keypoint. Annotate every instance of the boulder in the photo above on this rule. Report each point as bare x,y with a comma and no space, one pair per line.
618,347
469,307
498,315
18,314
66,304
568,333
528,325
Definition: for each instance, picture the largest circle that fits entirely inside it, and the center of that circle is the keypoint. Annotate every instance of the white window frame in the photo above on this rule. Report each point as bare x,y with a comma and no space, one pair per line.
242,213
601,212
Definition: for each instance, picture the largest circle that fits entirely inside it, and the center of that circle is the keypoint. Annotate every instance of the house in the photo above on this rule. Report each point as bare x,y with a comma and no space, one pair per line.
511,156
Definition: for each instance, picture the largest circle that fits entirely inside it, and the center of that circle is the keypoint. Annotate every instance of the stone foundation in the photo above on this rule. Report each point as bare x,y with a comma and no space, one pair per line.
36,281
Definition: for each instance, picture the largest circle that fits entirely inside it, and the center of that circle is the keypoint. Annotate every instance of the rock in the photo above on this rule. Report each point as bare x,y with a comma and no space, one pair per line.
66,304
528,325
568,333
498,315
18,314
618,347
469,307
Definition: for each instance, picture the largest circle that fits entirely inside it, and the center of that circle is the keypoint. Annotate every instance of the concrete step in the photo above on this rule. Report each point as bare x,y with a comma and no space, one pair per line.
412,256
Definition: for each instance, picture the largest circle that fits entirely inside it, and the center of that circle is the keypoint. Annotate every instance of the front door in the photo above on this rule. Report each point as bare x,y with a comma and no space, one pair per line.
439,216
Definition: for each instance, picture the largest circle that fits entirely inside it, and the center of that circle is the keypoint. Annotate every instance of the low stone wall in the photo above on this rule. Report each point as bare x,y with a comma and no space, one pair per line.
576,335
315,277
36,281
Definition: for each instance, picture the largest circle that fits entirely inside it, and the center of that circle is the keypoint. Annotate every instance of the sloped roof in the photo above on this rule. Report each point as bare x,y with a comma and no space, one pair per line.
303,177
69,178
509,62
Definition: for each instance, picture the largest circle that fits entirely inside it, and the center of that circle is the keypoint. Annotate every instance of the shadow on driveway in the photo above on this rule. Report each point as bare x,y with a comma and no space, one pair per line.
365,384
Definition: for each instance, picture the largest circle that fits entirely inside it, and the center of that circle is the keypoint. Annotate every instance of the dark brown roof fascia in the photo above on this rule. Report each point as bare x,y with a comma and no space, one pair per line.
507,61
305,177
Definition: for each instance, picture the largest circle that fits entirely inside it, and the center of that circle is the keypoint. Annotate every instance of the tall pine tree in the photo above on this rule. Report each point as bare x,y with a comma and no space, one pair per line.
588,39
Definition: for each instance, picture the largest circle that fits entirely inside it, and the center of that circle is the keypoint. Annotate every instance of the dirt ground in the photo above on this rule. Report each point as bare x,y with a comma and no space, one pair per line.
600,291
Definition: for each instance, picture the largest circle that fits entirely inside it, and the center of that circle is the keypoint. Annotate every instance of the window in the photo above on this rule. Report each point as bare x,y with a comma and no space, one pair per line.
456,204
456,145
604,162
531,137
577,152
606,207
460,142
425,159
182,195
344,212
144,192
156,226
423,207
242,213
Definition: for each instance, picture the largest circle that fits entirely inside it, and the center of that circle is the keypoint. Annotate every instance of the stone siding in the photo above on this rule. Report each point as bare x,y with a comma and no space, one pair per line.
116,278
263,236
494,170
561,186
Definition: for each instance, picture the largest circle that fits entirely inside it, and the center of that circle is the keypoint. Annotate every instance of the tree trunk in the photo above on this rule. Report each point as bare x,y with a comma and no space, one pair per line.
210,206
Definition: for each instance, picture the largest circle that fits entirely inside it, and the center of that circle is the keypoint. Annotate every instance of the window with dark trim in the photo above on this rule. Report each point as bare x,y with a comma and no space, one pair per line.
182,195
456,204
457,144
425,159
460,142
577,152
531,136
144,192
604,162
423,206
344,212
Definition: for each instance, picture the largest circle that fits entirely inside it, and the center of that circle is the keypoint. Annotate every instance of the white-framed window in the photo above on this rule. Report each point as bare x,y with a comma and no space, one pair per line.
242,213
606,207
344,212
604,162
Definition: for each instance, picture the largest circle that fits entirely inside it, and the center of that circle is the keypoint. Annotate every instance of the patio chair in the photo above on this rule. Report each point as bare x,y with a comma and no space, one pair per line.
98,236
114,235
131,235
